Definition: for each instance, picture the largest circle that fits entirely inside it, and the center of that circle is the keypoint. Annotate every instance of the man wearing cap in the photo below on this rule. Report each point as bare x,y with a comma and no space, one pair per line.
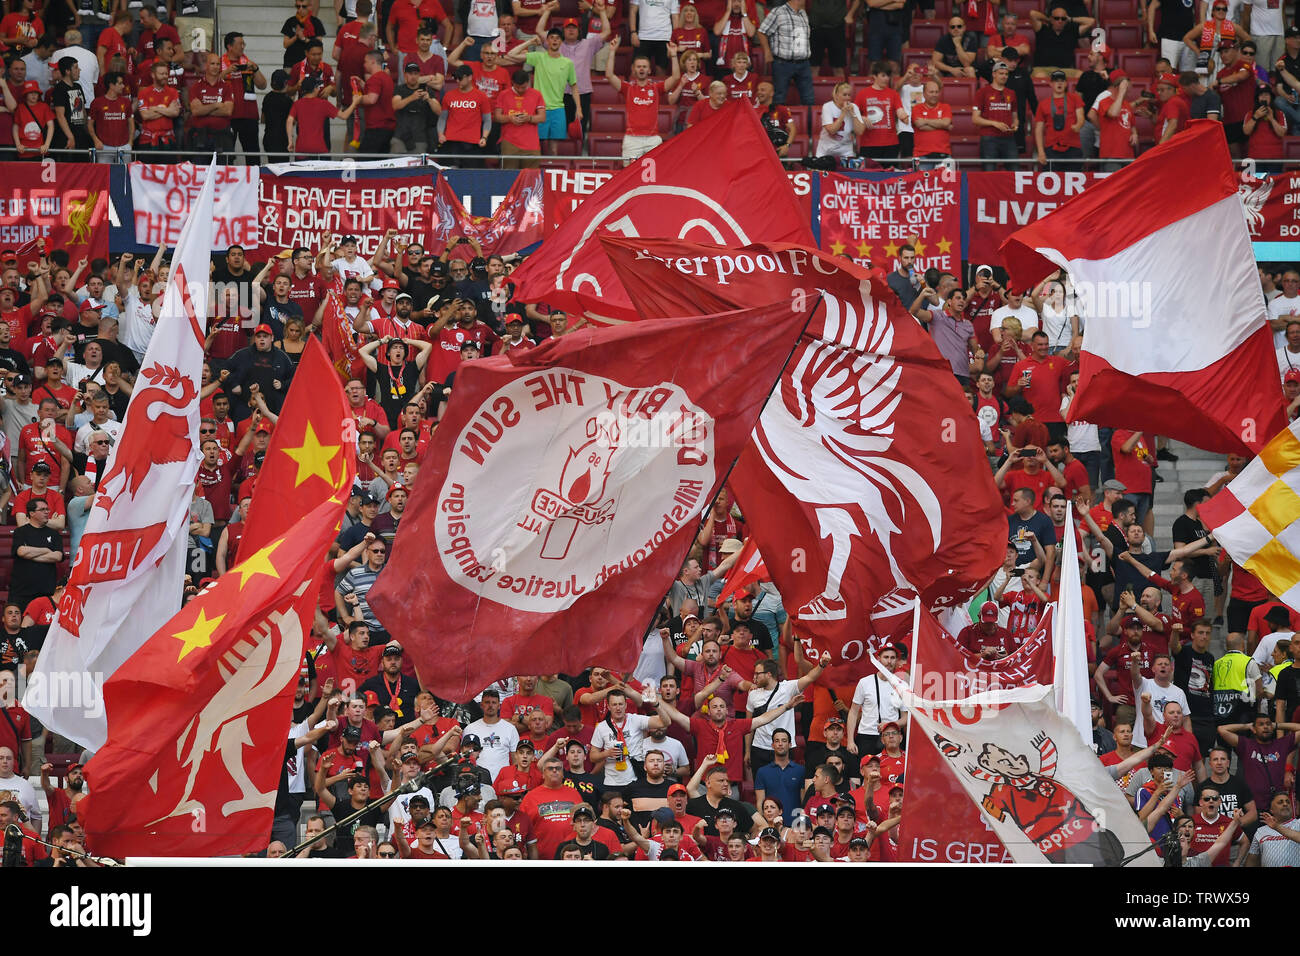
40,490
591,841
1057,123
1112,114
261,365
582,51
521,774
987,638
395,690
418,108
1175,111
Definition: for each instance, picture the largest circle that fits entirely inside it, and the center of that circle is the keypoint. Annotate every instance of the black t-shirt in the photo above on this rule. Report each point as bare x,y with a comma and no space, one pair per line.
12,651
420,291
1056,49
33,578
296,51
947,50
644,788
588,785
1188,530
1194,673
762,634
275,110
276,314
402,701
396,391
72,98
1176,18
1287,690
1233,794
1090,85
13,361
700,807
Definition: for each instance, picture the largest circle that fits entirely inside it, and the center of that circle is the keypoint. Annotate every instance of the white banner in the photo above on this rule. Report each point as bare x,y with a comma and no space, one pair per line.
1046,795
1071,641
164,196
126,576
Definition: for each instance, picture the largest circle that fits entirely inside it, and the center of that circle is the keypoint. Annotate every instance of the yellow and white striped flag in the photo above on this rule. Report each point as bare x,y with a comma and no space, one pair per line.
1257,517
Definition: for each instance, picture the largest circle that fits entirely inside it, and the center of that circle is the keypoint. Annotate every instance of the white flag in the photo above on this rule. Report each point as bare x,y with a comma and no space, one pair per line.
126,577
1047,796
1070,678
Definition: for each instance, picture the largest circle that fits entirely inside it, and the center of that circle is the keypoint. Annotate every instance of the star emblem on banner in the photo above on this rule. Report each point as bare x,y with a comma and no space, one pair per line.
943,245
864,250
837,248
891,250
312,458
198,634
259,563
919,246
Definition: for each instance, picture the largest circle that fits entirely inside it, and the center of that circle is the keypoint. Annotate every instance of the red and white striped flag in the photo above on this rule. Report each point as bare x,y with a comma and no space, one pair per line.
1174,343
126,576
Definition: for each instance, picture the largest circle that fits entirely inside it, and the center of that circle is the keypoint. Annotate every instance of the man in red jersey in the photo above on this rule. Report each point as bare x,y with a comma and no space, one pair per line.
642,97
211,106
158,105
879,105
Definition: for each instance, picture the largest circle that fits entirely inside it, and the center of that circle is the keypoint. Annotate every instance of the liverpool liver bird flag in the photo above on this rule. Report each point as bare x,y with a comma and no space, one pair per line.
198,717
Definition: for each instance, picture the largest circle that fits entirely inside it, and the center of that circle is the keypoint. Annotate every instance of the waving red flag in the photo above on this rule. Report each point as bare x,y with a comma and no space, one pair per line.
563,489
853,457
749,567
719,182
340,340
198,717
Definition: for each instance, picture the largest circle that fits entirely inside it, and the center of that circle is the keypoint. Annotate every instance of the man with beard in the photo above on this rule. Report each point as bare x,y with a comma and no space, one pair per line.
63,800
400,325
394,689
263,365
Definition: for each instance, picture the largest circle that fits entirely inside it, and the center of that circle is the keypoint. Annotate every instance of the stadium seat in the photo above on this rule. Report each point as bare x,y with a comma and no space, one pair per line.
919,57
799,148
1081,59
965,147
602,93
1122,36
606,119
942,8
963,124
926,33
800,116
1021,8
1042,88
666,121
606,144
823,87
1291,147
568,147
959,92
1138,63
1113,11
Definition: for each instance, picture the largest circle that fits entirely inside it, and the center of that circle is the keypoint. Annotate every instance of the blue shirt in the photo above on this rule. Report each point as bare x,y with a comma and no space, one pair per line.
784,783
78,515
1040,525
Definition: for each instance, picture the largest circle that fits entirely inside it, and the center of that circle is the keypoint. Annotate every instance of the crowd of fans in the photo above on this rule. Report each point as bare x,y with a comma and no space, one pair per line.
735,747
511,80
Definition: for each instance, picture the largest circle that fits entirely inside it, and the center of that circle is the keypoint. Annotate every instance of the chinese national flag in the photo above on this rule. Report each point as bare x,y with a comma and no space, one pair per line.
198,717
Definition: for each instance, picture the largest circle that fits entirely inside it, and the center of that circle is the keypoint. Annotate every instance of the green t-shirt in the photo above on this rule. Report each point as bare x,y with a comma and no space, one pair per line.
551,74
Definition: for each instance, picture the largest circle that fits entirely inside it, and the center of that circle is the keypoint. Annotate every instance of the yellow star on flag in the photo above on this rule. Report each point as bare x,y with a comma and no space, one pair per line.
891,250
864,250
312,458
259,563
943,245
919,246
199,634
837,248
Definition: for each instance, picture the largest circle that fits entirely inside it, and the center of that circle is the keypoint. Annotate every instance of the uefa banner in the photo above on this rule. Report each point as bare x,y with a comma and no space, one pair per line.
65,204
997,204
869,219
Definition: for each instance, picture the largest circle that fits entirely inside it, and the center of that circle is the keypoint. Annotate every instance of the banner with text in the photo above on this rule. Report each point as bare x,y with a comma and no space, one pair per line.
64,204
163,195
1272,206
997,204
868,219
566,188
515,224
296,210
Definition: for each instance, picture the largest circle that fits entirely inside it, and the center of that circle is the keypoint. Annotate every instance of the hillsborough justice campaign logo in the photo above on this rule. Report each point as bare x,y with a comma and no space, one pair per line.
607,474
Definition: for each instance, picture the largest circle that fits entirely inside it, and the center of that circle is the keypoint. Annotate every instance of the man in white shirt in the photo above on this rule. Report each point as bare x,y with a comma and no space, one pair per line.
875,702
20,788
1284,307
766,693
1160,686
1018,307
498,737
619,739
38,64
85,59
1280,620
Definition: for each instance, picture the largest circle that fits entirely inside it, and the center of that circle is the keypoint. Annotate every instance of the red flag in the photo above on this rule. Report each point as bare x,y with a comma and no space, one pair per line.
564,488
197,718
515,224
937,824
749,567
868,434
339,337
1150,360
717,182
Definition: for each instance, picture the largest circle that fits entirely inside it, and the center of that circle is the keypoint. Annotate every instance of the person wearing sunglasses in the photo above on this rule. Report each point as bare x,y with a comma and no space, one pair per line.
1057,37
1204,40
954,54
297,31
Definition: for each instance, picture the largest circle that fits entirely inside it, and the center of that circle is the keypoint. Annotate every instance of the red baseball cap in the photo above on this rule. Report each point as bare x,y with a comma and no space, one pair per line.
372,699
988,612
391,283
1116,76
1168,79
570,22
1292,375
263,328
676,788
